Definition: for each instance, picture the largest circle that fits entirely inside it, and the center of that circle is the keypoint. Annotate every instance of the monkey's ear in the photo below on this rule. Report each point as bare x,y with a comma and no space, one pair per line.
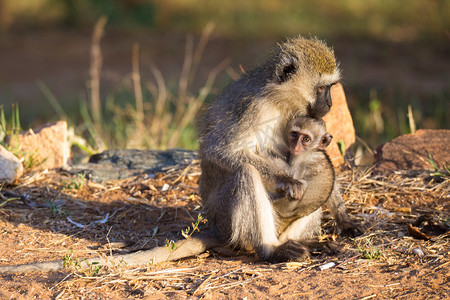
287,66
326,140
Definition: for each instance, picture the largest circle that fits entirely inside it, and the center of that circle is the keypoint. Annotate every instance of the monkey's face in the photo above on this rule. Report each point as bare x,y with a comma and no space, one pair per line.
305,71
317,87
307,134
300,141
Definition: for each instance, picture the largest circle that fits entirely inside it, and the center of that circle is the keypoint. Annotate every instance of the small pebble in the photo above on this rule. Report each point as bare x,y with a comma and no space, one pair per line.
418,252
165,187
327,266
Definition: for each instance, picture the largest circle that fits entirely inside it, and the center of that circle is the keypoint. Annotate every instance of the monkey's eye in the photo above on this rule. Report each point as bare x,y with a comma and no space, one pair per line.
321,89
294,134
306,139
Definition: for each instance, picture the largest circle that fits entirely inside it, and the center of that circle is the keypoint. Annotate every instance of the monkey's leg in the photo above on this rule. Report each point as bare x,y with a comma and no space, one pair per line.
304,228
344,224
295,238
253,219
251,213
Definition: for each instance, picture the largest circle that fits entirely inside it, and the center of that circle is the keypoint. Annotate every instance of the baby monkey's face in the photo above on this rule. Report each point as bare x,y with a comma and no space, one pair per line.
307,134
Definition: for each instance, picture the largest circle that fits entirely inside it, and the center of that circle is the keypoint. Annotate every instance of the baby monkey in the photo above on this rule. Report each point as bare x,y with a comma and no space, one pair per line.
304,153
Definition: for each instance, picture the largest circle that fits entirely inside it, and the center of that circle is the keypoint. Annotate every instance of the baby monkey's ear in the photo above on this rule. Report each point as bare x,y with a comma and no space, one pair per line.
326,140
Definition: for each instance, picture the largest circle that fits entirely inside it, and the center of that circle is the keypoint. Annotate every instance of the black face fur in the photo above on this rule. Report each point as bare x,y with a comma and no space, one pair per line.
323,102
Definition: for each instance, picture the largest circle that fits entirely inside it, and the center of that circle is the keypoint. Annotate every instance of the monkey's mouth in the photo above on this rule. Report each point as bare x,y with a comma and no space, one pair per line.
318,110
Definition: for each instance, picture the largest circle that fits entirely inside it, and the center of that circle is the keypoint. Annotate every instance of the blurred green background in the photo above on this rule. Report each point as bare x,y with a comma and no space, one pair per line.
393,54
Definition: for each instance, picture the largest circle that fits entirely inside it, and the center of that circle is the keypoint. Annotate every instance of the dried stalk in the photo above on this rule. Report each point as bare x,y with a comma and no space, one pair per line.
95,69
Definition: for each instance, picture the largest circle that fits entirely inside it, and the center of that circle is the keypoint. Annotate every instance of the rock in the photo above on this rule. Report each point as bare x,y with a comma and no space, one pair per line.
10,166
121,164
418,252
47,145
340,125
411,151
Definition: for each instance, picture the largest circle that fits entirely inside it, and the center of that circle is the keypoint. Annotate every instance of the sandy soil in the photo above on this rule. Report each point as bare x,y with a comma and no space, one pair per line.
38,216
138,213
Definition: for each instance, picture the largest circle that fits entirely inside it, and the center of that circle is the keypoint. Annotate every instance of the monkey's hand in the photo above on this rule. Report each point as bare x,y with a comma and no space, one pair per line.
293,188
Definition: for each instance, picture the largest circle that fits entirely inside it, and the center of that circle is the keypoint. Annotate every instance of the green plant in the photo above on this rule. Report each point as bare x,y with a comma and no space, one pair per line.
2,124
13,128
5,200
75,183
438,172
341,145
368,250
93,268
30,159
432,163
193,228
84,266
187,233
170,244
55,208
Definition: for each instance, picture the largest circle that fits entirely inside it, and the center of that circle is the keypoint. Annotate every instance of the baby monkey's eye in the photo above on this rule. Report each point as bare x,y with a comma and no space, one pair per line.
306,139
294,134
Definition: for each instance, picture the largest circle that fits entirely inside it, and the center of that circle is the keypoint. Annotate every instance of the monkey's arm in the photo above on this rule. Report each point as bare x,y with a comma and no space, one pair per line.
271,172
194,245
279,162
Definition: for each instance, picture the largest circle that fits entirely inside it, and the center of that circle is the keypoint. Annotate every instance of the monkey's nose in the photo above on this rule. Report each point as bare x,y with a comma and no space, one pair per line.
328,98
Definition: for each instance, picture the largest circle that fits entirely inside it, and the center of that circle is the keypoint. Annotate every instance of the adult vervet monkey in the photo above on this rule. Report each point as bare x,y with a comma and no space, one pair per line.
246,120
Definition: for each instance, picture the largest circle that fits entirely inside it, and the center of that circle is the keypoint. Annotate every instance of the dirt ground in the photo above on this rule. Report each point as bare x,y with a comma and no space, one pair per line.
48,215
51,215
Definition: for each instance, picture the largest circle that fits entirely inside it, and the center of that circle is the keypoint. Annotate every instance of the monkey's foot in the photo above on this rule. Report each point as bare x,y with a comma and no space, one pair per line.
348,228
328,247
289,251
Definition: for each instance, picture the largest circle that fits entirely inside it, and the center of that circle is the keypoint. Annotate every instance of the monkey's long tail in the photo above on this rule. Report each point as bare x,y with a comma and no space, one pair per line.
194,245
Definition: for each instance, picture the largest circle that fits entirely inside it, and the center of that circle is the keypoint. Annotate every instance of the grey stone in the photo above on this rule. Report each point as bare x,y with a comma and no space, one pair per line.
122,164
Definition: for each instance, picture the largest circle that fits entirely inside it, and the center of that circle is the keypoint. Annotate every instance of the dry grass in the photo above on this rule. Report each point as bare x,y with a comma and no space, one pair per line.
160,117
384,204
